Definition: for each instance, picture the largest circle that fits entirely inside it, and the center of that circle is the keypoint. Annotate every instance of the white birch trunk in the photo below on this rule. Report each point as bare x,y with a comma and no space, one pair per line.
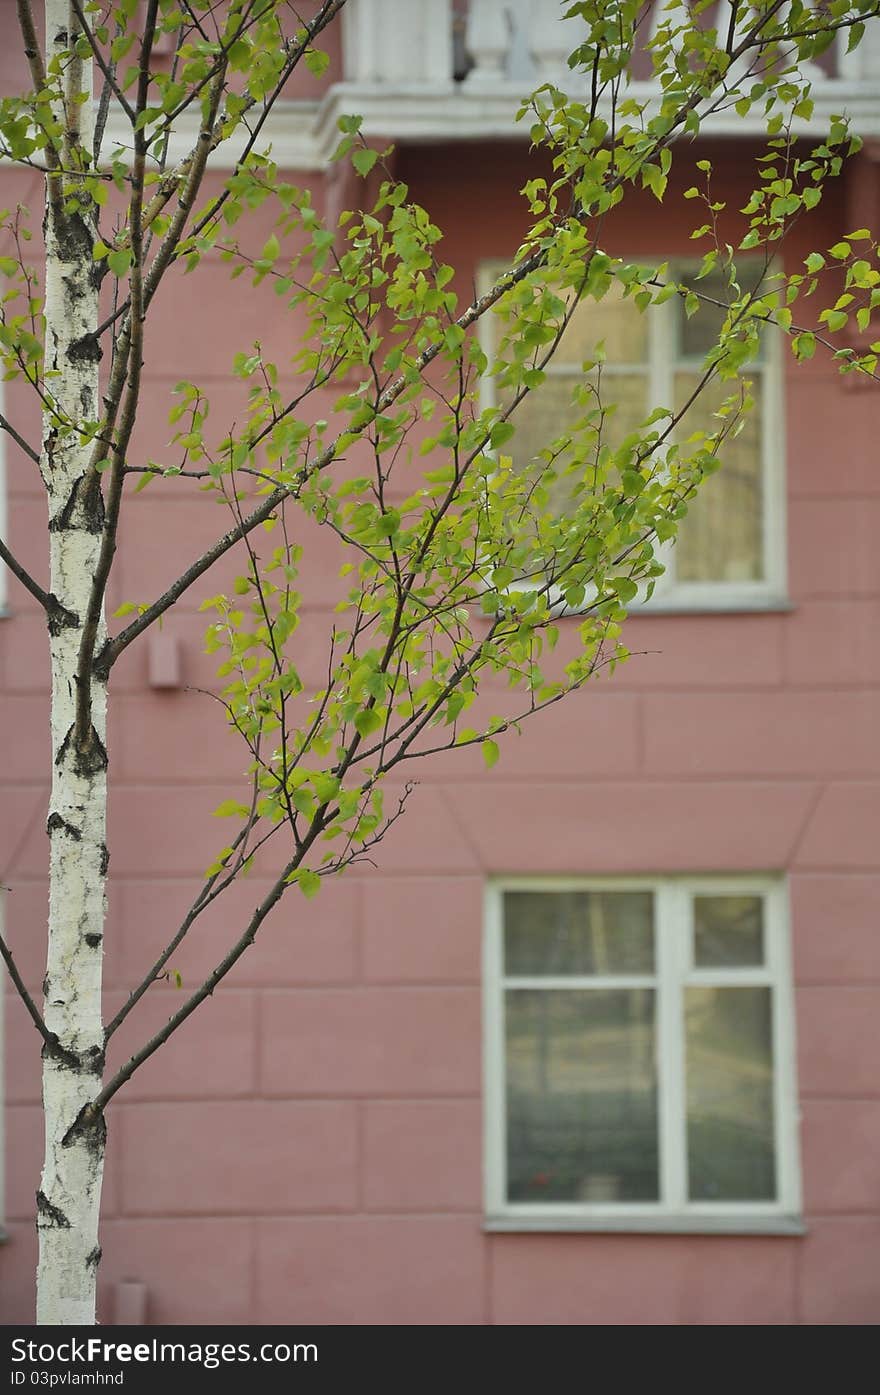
70,1189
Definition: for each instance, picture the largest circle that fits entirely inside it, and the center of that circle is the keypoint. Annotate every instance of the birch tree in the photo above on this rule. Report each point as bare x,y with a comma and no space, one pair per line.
469,576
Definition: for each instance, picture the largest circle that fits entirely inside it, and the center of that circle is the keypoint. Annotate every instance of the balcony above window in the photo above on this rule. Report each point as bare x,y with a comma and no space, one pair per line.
428,71
432,70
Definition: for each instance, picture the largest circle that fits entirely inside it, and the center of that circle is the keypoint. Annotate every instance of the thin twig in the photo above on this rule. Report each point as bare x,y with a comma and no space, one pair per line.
6,425
36,590
204,898
134,357
36,1016
106,68
210,983
34,55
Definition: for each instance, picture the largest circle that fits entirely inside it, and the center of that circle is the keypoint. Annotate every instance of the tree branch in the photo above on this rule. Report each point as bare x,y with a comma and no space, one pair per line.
36,1016
34,55
282,883
114,647
46,601
207,988
204,899
106,69
22,444
134,357
171,182
207,143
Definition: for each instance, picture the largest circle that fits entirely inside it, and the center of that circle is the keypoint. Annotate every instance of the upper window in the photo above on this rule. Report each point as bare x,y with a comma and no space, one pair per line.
640,1070
729,552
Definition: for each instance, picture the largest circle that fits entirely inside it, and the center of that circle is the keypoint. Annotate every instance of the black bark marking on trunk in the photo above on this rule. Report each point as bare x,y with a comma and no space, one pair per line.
89,759
50,443
87,497
67,1060
93,1258
105,860
58,617
74,240
93,504
50,1217
55,821
89,1129
93,940
85,350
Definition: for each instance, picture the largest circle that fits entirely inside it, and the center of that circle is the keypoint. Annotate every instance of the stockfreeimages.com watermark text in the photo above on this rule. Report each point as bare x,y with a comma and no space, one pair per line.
95,1351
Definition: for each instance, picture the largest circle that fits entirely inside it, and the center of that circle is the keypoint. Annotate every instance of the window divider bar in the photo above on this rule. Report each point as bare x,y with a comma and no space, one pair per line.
494,1057
672,911
580,981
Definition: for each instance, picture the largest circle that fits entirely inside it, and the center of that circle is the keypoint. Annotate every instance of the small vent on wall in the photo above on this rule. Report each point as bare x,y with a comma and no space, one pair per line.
164,661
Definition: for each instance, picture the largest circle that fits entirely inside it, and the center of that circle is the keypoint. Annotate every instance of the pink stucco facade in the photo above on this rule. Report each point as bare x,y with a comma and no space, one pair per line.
309,1147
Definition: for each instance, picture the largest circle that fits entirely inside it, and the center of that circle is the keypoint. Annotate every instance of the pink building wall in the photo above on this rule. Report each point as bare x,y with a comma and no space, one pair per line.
308,1148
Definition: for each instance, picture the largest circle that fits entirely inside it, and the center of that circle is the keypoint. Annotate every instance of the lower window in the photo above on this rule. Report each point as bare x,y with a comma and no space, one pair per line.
639,1056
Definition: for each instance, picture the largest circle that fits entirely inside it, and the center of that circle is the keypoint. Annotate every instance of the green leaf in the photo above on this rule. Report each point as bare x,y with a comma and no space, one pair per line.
368,720
804,345
119,262
309,883
364,159
229,808
625,588
317,61
326,787
856,33
490,753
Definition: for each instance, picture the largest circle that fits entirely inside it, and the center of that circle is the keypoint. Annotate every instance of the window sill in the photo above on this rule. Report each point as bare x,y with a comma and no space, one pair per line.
713,605
697,603
649,1225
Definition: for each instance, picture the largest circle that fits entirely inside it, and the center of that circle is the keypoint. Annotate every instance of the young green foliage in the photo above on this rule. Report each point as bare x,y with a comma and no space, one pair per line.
390,430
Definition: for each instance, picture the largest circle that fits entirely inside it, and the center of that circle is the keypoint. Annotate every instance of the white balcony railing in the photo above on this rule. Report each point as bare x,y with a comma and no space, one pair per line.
527,41
447,69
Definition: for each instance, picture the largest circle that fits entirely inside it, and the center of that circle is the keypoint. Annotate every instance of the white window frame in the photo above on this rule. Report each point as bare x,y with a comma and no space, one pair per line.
674,971
670,594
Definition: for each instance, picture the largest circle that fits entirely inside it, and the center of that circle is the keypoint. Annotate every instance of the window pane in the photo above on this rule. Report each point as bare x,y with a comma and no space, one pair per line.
721,539
699,334
728,931
548,413
578,932
581,1095
613,321
729,1094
